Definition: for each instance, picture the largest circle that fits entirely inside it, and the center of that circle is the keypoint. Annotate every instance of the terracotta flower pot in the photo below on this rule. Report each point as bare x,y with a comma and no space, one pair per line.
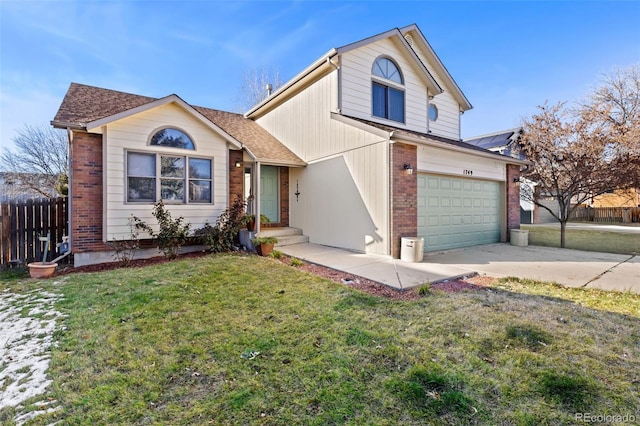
264,249
38,270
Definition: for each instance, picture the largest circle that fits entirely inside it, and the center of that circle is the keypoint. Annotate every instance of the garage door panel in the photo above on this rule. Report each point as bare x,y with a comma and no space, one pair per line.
457,212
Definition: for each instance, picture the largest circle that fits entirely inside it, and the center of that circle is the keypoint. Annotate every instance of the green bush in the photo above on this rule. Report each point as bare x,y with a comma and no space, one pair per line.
222,236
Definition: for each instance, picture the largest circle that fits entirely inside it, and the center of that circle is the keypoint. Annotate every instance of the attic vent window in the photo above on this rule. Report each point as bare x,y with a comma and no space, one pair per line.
433,112
172,138
409,39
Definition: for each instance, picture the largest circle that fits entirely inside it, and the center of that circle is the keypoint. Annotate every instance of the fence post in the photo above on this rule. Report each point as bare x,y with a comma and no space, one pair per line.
5,239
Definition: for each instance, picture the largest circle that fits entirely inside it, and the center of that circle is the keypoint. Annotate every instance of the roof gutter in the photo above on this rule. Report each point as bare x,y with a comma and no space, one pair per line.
450,147
67,126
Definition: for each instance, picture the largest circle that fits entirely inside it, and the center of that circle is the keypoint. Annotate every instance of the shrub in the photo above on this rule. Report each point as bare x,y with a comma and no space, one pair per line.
173,233
125,249
264,240
424,289
224,234
296,262
276,254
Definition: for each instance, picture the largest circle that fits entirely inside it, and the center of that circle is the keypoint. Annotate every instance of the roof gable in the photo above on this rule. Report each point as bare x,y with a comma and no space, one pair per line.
87,107
420,43
324,64
397,36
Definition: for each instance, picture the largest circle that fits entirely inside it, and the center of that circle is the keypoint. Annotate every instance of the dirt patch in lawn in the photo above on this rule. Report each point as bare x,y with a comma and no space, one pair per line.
355,281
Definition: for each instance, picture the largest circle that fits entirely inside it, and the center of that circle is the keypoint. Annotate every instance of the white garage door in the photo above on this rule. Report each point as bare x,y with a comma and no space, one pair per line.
457,212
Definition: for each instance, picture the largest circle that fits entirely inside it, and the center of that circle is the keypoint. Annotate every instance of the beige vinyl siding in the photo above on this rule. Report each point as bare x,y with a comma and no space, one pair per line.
132,133
356,90
448,122
342,201
329,210
356,84
441,161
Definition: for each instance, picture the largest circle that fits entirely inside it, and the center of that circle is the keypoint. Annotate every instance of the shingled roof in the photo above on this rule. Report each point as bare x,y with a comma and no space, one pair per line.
86,104
426,137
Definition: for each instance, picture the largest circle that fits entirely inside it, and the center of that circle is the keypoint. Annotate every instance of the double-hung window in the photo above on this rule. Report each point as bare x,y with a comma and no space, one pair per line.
169,177
387,91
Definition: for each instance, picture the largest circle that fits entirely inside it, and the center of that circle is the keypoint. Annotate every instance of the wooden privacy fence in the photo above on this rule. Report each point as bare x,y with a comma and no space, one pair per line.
607,214
22,222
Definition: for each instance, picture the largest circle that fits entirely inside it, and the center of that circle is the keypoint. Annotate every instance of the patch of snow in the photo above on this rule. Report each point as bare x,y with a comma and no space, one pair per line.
27,323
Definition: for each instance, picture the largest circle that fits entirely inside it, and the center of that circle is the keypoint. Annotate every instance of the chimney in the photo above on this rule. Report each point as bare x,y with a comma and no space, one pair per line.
269,88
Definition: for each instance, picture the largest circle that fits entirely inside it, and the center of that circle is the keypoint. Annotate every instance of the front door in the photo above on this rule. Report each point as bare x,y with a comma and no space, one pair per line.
269,205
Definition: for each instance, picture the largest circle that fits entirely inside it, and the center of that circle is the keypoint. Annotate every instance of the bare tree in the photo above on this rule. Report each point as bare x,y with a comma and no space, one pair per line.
39,161
254,90
617,102
575,157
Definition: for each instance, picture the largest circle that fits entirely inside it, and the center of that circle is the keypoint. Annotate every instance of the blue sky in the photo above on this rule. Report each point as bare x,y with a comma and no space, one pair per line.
507,56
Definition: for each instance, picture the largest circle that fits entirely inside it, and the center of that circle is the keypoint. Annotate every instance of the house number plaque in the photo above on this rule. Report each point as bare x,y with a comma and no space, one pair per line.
467,172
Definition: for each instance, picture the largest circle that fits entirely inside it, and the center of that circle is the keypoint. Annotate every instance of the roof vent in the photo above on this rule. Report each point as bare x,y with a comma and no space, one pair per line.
409,39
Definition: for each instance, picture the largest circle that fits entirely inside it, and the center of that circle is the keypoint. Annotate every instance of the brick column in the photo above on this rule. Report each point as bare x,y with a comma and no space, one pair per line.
86,193
513,198
284,196
236,175
404,195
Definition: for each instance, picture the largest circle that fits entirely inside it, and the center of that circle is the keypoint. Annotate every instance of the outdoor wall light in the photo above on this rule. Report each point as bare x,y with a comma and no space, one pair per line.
238,164
516,181
408,169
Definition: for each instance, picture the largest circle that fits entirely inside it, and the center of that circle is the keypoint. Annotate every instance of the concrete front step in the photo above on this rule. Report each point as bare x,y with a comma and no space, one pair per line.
292,239
286,236
279,232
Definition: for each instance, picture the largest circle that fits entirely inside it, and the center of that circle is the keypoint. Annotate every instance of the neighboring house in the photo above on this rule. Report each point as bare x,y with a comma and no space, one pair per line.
506,142
19,186
618,198
360,149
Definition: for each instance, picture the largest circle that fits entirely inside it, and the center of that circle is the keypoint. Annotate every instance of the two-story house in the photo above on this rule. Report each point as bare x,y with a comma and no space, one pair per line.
359,149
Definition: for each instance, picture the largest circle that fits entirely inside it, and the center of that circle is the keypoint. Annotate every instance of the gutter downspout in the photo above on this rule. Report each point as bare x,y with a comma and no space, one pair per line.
69,194
390,194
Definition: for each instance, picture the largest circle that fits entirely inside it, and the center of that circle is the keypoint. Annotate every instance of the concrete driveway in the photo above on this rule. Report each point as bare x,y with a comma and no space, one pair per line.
572,268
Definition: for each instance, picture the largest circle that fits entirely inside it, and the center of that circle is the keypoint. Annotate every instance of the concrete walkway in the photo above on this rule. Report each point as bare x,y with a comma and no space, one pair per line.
573,268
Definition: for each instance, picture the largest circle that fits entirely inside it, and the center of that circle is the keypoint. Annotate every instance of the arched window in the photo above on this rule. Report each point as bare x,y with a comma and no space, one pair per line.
386,68
173,138
387,93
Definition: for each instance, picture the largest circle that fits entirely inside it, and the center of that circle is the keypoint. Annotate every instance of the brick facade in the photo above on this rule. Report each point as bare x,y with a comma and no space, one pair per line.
86,193
513,198
236,175
404,195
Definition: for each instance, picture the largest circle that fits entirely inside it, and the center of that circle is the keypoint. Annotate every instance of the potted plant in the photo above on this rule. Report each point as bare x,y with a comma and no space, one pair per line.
43,269
264,245
250,220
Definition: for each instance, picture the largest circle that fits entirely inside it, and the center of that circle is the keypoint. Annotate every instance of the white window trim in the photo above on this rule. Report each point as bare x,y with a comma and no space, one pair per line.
153,133
158,166
393,85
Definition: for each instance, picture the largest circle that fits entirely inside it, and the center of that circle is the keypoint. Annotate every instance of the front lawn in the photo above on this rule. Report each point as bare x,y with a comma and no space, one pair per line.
230,339
584,239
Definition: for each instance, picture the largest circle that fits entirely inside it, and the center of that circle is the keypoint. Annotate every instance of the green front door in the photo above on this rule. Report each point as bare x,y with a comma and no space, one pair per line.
269,205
